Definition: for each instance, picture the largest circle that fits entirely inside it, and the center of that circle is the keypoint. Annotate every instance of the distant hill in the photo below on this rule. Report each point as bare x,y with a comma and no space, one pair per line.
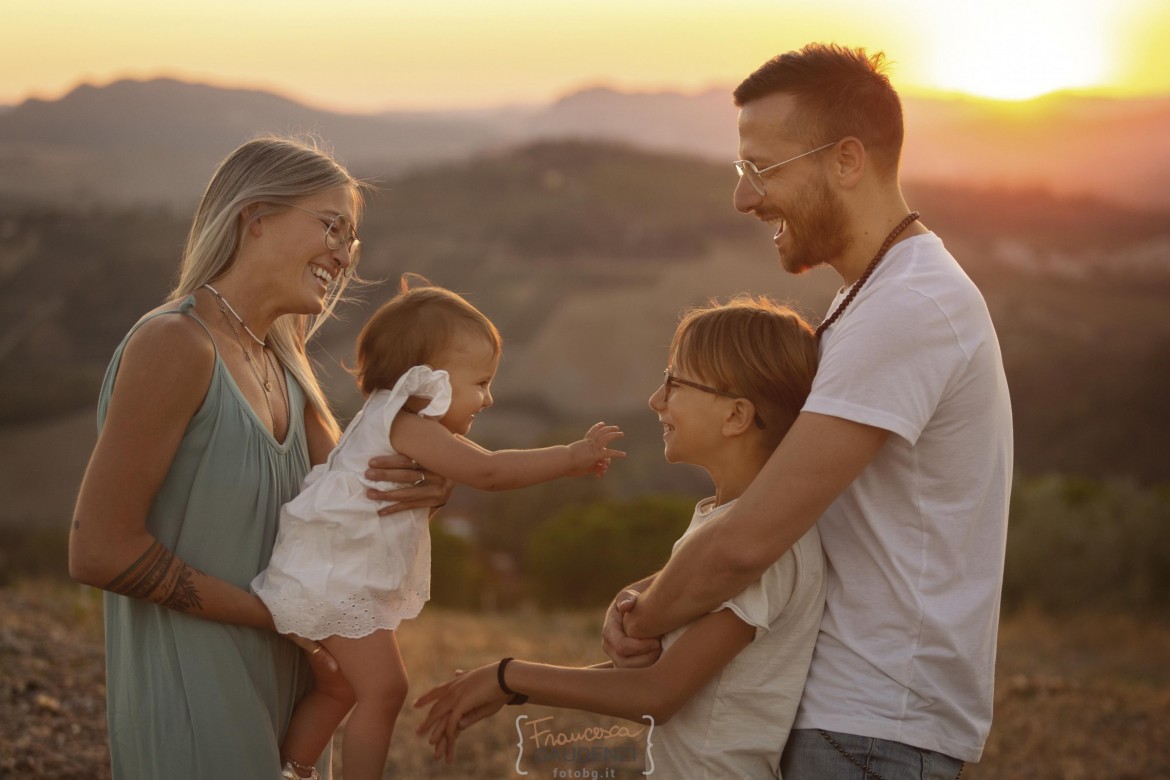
584,254
1117,150
147,141
150,141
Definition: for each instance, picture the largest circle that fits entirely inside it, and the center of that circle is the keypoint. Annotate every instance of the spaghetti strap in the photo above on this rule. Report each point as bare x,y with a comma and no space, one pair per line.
187,308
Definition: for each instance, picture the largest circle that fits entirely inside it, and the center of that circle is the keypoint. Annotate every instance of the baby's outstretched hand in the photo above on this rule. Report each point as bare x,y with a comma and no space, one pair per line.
592,454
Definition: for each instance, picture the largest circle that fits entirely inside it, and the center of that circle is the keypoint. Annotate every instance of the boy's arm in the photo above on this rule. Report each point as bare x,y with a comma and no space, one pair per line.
456,458
817,459
659,690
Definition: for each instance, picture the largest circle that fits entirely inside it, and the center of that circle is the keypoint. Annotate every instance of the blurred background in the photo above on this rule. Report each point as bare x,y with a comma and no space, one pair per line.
567,168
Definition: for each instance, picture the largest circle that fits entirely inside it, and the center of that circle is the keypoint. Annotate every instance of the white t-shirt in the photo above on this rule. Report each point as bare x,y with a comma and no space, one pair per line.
915,546
737,724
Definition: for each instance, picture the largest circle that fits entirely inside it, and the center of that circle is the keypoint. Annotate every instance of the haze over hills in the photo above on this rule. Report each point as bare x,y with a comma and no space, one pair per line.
152,141
585,252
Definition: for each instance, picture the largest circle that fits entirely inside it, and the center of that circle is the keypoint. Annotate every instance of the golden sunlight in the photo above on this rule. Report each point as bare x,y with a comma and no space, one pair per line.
1010,50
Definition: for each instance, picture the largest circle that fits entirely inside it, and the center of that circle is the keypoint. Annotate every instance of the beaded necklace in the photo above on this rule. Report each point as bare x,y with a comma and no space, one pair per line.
897,231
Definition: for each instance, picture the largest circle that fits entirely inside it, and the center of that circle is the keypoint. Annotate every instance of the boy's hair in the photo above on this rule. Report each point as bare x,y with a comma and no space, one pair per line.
754,348
413,328
840,92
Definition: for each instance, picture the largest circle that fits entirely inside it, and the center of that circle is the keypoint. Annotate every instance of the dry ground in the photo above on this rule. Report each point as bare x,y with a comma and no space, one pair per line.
1081,697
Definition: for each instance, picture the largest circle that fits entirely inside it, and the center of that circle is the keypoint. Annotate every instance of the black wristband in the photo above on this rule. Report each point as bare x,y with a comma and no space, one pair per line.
517,698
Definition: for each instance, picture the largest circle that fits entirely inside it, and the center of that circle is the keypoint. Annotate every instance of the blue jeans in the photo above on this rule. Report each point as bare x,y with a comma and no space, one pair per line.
809,756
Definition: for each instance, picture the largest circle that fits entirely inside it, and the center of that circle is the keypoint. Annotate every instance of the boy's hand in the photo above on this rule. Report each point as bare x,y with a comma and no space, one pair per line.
458,703
591,455
625,651
426,488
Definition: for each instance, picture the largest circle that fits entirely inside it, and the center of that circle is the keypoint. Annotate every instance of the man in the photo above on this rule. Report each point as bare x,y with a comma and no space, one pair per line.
903,450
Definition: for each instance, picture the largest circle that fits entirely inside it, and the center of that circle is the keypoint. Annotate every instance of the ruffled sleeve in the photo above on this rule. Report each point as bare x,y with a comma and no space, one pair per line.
425,382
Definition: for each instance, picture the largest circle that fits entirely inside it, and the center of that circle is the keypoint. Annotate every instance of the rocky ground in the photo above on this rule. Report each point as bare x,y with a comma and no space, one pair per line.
1077,698
52,694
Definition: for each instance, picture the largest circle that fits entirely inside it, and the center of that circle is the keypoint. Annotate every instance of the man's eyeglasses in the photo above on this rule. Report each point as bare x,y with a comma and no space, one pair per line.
670,382
339,231
755,176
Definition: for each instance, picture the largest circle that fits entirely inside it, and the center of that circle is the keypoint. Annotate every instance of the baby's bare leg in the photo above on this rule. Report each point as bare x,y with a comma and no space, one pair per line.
374,668
316,717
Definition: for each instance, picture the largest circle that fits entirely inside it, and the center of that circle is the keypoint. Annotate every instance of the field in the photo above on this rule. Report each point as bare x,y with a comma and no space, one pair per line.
1086,696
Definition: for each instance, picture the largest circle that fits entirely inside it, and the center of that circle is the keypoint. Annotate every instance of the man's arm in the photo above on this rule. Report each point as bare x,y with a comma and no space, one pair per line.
816,461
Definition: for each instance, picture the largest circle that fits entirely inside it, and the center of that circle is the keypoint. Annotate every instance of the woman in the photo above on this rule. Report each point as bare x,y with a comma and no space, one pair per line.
210,415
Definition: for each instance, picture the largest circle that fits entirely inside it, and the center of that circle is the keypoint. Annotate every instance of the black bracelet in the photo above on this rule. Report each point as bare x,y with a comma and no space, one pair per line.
517,698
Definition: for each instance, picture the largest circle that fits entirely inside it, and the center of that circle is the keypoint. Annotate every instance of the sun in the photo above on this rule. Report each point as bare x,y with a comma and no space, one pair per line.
1014,50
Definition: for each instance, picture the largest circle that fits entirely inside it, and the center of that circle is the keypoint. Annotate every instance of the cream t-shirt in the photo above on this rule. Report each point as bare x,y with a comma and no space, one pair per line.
737,724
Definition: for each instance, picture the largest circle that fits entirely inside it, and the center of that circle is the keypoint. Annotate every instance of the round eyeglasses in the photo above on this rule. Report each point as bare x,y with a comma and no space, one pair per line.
339,231
755,176
671,382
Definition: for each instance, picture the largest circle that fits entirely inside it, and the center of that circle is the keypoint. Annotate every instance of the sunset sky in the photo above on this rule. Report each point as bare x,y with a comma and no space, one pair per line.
369,55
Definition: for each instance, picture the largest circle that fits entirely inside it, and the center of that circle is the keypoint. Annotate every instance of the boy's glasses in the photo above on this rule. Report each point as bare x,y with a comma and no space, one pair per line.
670,382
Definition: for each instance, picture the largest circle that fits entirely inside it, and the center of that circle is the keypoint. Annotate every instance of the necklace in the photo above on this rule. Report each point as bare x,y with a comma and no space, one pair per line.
897,231
265,382
283,391
223,302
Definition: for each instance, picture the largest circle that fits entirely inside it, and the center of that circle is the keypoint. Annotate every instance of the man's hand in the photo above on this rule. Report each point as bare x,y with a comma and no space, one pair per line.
426,489
626,652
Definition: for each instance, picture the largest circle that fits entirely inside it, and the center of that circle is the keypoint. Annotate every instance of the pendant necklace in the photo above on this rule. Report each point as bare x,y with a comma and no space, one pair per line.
264,380
223,303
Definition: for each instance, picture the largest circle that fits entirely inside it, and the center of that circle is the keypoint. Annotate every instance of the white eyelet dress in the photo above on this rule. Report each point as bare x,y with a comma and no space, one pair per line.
338,569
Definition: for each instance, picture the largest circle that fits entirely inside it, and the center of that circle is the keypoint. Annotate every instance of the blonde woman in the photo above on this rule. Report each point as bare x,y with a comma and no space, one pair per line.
210,415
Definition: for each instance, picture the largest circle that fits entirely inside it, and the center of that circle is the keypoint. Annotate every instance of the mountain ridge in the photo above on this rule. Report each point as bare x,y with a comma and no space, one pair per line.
138,141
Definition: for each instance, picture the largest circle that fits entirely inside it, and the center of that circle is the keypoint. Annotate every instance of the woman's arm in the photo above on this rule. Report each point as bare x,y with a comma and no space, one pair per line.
162,379
659,690
458,459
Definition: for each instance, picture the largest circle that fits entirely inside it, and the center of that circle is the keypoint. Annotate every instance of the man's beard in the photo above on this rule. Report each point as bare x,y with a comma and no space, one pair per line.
820,229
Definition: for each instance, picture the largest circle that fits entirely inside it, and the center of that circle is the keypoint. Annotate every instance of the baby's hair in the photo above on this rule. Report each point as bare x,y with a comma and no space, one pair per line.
755,348
413,328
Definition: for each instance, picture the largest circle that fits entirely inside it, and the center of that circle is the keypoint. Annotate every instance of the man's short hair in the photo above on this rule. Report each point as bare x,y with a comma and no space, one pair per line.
839,92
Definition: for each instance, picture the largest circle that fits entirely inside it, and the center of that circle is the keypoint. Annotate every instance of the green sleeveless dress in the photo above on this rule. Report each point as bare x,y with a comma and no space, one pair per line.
191,698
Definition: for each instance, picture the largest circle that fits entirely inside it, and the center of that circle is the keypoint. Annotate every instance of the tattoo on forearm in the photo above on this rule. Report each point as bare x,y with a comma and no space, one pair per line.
159,577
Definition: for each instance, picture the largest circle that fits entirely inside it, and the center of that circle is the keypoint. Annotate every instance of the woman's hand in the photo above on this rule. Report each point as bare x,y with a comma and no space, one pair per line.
426,489
467,698
327,676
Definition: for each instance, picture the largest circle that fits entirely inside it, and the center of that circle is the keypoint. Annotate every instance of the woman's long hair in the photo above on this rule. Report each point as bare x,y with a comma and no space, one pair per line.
268,169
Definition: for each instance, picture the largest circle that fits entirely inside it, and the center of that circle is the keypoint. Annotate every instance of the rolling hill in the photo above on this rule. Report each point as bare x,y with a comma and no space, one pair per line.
157,141
585,254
